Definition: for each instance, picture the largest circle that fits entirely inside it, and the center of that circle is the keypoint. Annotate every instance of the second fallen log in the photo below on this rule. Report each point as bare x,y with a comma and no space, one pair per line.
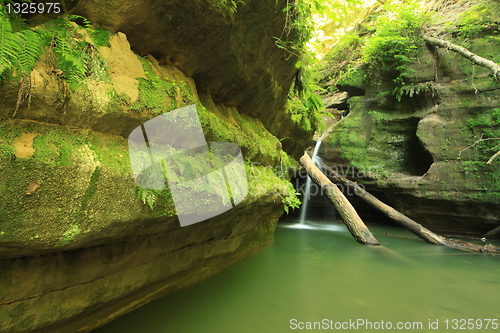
354,224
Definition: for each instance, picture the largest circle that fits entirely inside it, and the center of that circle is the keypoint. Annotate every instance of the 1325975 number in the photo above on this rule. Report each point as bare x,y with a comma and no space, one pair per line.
33,8
470,324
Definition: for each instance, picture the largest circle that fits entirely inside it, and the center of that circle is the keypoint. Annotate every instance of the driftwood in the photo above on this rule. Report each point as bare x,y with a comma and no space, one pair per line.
354,224
404,220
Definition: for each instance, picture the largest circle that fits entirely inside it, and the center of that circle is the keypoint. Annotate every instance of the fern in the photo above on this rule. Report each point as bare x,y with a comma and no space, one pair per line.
71,58
100,36
18,49
76,57
147,196
31,44
21,47
9,46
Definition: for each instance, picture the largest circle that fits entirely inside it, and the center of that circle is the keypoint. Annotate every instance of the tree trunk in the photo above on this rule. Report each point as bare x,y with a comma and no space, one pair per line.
492,233
495,68
351,218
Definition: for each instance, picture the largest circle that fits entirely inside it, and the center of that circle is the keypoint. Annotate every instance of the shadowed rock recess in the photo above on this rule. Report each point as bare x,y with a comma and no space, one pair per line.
80,244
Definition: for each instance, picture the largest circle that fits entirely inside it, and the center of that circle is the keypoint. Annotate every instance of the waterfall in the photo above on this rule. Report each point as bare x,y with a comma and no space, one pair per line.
303,210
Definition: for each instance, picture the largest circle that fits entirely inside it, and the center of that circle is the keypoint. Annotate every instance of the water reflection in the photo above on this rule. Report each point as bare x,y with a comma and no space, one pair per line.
320,272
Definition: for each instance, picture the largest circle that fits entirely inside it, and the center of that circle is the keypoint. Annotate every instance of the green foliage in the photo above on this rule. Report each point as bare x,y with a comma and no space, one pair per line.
68,46
78,18
291,200
227,8
305,111
264,181
147,196
157,95
476,19
76,57
101,36
20,47
289,197
484,137
299,27
231,6
395,43
412,90
341,59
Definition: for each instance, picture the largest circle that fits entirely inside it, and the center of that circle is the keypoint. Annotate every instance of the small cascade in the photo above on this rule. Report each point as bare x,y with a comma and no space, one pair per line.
307,193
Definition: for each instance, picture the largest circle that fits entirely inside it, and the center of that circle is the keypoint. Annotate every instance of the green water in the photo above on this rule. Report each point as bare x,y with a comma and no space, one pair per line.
325,276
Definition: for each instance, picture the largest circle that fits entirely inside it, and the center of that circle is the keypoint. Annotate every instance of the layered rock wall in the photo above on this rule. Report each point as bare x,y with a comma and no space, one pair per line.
80,243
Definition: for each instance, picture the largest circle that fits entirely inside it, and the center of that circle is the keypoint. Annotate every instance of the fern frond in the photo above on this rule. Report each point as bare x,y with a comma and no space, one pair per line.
19,48
9,45
31,44
71,60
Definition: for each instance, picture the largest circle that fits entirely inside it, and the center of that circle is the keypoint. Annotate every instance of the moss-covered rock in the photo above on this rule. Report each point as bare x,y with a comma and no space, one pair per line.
228,47
73,223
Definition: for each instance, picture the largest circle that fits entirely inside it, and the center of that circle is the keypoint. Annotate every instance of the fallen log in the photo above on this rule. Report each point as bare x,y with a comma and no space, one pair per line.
492,233
404,220
354,224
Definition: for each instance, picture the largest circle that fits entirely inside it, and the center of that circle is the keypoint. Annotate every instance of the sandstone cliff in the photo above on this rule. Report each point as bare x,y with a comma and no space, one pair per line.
79,243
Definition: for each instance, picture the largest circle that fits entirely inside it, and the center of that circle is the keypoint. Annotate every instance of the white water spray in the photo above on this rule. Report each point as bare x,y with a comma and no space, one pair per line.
303,210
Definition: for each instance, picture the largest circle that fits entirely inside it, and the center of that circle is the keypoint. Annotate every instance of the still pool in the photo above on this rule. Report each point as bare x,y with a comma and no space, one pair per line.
320,274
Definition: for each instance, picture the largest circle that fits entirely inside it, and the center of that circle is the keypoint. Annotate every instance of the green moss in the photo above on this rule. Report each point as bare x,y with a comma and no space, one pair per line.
476,18
8,133
354,76
69,235
91,189
262,181
352,141
346,51
256,142
111,151
157,95
55,146
482,132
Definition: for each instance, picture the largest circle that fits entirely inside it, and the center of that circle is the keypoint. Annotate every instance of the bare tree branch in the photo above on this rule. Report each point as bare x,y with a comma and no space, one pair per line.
492,66
492,158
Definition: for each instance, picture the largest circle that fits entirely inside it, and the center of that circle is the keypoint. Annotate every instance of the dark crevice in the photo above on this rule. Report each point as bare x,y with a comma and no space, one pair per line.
352,90
418,159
